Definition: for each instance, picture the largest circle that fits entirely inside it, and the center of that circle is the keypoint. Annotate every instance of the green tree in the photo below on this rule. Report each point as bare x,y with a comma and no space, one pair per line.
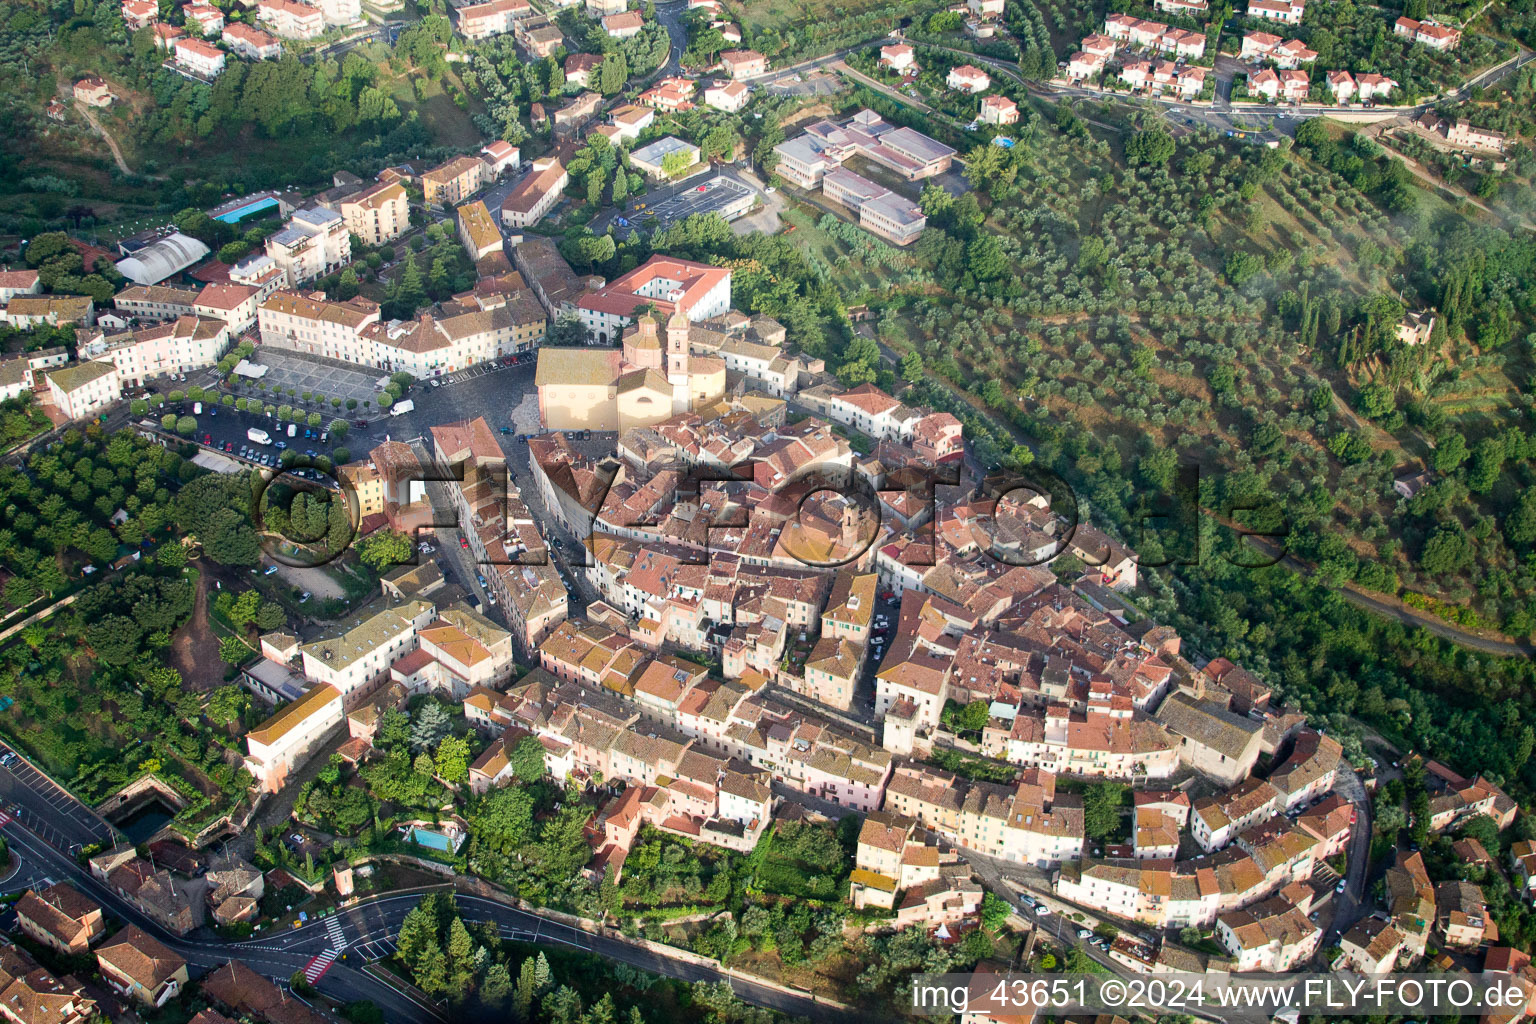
528,759
453,759
1150,147
232,650
384,549
1101,810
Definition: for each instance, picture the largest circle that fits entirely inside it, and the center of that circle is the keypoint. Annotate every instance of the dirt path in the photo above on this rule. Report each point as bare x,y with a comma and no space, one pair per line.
117,154
195,649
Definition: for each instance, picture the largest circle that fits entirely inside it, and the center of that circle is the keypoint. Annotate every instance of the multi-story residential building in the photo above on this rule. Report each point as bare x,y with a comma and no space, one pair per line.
696,290
208,18
1217,820
1341,85
188,343
623,25
19,282
314,243
317,326
898,57
1310,770
61,918
730,97
281,744
201,57
1212,740
377,213
1098,743
291,20
968,78
450,183
139,14
483,20
1286,11
81,390
670,94
1273,935
1025,825
137,967
501,156
341,12
533,197
1372,87
235,304
744,64
998,110
1428,33
478,231
1461,914
538,36
93,91
155,302
34,996
1372,946
355,658
251,43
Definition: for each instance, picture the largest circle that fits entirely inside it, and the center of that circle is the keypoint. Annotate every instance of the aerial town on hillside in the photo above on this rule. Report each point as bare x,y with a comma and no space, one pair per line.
650,512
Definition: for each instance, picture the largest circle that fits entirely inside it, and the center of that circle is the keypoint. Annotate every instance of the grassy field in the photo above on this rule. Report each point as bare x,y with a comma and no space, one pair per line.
784,14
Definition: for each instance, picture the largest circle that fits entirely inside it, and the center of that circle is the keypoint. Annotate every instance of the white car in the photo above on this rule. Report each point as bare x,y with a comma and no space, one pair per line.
1042,911
1340,887
1084,933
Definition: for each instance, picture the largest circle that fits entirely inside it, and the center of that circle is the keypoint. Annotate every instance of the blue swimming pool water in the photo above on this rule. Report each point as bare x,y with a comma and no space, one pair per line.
428,838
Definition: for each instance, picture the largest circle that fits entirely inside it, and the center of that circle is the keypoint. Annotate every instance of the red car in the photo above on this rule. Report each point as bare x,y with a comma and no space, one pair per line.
463,543
229,446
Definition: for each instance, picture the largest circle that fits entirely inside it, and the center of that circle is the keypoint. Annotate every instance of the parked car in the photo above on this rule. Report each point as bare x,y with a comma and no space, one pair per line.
464,543
269,570
305,597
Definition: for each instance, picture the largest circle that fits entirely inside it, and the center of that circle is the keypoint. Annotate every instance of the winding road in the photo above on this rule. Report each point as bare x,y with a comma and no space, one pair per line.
363,931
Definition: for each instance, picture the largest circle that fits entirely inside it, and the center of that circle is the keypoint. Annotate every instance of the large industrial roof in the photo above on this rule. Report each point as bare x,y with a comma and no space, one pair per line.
160,260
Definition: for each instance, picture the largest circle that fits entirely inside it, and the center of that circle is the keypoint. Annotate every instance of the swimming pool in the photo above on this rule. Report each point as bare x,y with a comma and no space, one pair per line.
430,839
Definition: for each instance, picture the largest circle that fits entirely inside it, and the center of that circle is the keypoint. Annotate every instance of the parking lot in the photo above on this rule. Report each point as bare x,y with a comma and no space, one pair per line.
303,373
719,193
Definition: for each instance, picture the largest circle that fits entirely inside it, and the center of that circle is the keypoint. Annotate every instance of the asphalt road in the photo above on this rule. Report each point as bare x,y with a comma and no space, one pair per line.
367,929
278,960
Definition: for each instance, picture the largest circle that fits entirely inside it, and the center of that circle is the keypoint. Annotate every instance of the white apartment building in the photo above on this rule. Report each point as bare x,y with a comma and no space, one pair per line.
341,12
315,243
291,20
203,58
251,43
282,743
81,390
154,301
315,325
699,291
378,213
235,304
356,660
19,282
457,335
179,346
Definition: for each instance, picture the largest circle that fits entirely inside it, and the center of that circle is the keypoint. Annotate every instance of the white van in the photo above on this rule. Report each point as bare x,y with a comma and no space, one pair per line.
197,408
293,428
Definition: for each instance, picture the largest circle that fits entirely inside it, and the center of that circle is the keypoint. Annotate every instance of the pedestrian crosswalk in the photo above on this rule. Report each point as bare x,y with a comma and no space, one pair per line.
316,968
334,931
